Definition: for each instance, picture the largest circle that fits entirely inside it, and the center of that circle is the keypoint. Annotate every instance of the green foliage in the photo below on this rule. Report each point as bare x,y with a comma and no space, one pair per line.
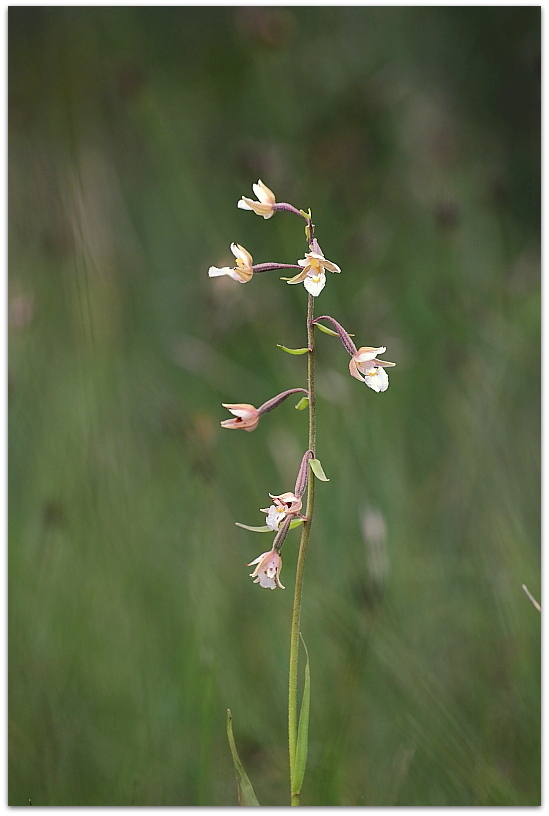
318,470
326,330
265,529
246,795
133,624
300,760
293,351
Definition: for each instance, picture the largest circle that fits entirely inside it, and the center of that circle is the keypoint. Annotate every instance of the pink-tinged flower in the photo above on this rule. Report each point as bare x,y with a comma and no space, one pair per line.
264,205
288,504
246,416
313,274
243,270
365,366
267,571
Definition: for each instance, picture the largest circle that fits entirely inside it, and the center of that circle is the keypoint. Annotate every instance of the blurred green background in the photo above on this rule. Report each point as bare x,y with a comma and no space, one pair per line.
414,136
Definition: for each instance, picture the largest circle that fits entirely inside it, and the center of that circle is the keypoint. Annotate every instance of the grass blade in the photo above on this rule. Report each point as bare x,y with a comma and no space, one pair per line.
300,761
246,795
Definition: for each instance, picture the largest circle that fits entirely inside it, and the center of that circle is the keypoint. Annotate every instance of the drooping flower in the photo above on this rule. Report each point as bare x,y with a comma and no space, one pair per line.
365,366
265,204
288,504
246,416
242,272
267,571
313,274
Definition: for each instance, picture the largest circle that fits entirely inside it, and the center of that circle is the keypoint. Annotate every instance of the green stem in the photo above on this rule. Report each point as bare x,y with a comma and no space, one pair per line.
296,613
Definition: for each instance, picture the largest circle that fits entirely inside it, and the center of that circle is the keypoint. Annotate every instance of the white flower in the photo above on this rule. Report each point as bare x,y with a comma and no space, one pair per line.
288,504
313,274
265,204
365,366
242,272
267,571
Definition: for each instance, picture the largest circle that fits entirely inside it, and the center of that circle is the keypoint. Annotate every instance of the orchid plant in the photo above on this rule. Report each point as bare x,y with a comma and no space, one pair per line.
285,511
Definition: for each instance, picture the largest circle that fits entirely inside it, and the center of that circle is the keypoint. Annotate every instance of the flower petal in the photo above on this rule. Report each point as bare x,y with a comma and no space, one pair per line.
257,560
242,254
315,285
300,277
266,581
266,210
243,204
240,409
264,195
274,517
331,267
367,353
316,248
353,368
377,379
216,271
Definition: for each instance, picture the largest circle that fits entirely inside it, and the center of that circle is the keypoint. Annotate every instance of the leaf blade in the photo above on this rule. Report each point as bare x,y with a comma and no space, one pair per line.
265,529
300,761
331,332
293,351
246,794
318,470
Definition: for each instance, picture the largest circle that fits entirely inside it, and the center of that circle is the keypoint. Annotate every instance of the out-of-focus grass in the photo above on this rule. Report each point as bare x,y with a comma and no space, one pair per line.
413,133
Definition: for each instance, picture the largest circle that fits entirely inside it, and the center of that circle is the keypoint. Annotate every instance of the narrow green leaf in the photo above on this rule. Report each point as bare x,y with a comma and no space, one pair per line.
302,404
265,529
302,730
317,469
326,330
246,795
293,351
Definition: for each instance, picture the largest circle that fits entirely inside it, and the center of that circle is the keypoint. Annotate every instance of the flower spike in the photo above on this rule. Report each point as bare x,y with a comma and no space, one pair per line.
242,272
265,205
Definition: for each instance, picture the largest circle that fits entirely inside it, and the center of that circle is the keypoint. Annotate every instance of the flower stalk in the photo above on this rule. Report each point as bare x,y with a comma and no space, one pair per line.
285,512
298,590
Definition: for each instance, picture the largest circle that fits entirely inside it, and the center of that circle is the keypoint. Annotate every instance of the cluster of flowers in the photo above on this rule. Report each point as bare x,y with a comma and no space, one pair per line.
312,273
364,365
